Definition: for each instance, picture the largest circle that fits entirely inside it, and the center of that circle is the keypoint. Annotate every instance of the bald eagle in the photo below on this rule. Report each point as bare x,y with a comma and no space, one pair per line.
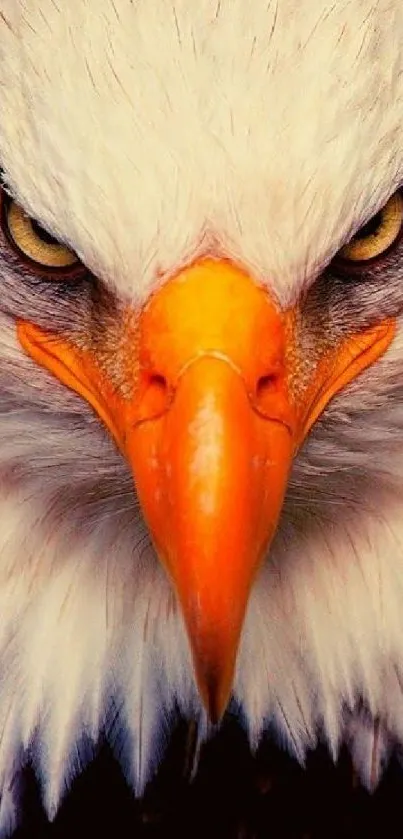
201,378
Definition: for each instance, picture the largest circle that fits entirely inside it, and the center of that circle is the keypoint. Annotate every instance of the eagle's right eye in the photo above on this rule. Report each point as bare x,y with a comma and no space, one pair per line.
32,243
377,237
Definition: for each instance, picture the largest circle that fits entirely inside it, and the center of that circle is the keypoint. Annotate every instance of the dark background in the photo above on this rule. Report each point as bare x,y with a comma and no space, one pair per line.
233,796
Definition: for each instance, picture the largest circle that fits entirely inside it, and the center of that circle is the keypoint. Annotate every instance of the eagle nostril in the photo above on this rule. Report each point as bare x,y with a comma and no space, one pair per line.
265,385
156,395
158,383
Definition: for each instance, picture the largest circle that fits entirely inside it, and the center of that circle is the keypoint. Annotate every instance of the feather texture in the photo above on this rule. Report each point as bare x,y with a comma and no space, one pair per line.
144,134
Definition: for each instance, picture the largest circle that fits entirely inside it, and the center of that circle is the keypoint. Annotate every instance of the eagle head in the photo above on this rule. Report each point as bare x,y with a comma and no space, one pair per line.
201,362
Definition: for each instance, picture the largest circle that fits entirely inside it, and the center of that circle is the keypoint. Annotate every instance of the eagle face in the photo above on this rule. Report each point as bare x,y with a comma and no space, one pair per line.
201,362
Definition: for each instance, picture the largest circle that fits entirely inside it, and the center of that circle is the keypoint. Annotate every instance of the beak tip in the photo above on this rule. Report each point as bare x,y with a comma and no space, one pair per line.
215,696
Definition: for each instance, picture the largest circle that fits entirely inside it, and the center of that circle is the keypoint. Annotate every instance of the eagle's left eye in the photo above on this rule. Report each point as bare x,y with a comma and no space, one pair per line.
378,236
32,242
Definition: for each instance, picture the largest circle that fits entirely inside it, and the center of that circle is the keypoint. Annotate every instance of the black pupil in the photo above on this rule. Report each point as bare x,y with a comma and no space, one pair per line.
43,234
370,227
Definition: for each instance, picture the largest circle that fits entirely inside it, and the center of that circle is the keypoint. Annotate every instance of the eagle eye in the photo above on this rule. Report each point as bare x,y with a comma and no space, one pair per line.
32,243
377,236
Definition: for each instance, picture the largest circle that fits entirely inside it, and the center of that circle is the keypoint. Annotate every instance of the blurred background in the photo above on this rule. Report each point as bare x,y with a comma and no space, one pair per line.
233,795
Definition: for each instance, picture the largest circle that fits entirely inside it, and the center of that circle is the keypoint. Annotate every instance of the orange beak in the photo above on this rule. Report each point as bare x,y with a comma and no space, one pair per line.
210,430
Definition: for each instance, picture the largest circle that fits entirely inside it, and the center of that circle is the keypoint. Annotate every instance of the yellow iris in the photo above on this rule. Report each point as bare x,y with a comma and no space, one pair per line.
35,243
378,235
